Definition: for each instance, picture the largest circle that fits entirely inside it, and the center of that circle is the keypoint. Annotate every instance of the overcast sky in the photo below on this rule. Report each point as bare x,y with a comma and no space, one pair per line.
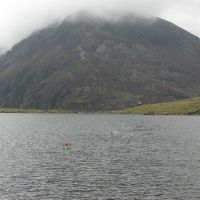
18,18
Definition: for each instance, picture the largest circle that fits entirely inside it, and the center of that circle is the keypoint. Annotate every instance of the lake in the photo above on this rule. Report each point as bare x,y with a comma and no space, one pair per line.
147,157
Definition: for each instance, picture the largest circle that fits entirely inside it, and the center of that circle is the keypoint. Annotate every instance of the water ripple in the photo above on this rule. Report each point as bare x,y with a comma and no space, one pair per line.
147,157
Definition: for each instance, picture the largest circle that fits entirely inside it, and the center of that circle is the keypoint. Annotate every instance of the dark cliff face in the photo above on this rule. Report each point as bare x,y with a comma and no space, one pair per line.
95,64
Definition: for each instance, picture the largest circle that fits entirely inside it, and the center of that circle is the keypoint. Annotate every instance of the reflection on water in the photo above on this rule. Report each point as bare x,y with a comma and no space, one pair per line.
146,157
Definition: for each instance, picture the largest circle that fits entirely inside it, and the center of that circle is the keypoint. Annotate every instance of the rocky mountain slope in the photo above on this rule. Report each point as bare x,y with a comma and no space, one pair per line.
90,63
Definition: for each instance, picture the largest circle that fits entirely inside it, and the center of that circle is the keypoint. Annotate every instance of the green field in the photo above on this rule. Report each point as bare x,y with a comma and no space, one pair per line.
180,107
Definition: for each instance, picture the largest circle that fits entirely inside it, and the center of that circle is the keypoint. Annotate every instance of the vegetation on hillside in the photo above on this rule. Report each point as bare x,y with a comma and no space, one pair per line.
181,107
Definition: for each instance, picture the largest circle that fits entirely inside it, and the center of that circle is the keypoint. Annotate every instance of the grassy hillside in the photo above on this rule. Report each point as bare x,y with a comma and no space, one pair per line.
181,107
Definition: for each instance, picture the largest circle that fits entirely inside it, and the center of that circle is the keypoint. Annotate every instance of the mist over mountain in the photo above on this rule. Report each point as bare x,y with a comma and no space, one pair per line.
92,63
1,52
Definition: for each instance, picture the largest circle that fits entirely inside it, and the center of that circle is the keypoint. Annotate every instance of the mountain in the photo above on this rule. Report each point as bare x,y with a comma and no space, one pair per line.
92,63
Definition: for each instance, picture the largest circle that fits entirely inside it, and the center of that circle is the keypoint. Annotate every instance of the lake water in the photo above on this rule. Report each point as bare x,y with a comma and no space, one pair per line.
148,157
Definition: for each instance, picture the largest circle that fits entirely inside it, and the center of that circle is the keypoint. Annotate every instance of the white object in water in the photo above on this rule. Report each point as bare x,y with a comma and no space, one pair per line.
114,132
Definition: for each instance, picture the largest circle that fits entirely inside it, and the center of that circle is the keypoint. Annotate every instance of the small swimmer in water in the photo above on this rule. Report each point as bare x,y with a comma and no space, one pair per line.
67,146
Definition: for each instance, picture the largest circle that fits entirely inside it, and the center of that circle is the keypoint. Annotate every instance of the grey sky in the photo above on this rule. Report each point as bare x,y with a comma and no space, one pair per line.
18,18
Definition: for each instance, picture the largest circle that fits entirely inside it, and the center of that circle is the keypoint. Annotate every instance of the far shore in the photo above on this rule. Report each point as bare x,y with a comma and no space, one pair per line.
19,110
14,110
179,107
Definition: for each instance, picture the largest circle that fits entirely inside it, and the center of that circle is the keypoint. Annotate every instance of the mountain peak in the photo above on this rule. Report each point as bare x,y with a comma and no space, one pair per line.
94,63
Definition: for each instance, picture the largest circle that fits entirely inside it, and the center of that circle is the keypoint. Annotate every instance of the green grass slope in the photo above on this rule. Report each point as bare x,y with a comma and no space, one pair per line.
181,107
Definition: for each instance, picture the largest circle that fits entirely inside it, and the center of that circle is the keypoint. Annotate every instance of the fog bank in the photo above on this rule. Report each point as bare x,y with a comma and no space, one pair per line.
19,18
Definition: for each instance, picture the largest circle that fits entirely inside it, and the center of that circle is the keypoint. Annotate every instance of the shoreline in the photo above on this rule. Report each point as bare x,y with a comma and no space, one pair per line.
32,111
18,110
179,107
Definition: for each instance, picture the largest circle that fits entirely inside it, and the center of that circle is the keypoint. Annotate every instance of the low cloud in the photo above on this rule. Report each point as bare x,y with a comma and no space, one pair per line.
19,18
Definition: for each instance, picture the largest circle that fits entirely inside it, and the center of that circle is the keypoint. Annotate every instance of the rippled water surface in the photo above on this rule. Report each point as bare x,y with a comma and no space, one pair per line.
147,157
